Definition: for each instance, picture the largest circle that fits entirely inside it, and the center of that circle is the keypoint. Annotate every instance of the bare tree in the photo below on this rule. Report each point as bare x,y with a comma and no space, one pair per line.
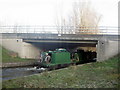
83,19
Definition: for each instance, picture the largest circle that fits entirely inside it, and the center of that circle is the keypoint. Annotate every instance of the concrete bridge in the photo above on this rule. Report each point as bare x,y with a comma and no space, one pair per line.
30,41
30,45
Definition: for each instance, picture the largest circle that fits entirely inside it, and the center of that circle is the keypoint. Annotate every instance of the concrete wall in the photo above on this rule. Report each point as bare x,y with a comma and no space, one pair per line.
106,49
30,51
24,50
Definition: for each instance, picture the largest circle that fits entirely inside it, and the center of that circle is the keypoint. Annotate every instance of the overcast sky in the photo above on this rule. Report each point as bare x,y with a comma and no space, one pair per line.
44,12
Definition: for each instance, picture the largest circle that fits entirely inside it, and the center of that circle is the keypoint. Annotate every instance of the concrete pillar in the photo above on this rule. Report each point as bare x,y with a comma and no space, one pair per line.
106,49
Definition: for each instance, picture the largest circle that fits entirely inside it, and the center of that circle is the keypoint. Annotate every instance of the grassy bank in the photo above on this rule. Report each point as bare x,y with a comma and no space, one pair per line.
94,75
9,56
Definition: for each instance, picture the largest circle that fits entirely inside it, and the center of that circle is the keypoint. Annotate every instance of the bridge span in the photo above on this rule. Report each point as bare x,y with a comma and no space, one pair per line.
30,45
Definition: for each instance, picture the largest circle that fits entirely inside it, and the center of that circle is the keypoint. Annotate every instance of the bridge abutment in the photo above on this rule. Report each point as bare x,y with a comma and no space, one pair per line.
30,51
106,49
24,50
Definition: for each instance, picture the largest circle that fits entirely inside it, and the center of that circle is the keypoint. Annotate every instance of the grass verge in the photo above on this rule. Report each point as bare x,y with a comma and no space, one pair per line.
95,75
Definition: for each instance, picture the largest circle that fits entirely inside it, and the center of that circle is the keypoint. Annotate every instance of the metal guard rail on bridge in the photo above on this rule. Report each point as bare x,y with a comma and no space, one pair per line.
59,29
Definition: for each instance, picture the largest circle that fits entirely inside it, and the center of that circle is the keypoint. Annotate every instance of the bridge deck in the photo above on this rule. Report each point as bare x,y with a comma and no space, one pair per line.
56,36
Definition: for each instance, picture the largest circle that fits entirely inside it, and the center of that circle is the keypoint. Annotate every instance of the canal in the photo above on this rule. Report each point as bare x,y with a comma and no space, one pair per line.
12,73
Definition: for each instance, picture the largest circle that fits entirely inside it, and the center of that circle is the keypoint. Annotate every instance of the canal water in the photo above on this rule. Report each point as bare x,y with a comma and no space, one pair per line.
12,73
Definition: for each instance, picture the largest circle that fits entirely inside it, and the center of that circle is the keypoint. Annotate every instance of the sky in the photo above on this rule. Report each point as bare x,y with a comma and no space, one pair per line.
45,12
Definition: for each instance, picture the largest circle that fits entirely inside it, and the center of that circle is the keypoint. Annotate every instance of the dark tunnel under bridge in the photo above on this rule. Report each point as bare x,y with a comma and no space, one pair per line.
67,44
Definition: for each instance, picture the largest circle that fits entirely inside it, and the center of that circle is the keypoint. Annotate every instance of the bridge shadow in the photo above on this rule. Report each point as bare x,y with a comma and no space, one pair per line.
89,55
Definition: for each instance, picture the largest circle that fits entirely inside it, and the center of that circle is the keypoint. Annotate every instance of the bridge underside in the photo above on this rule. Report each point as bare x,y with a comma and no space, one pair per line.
53,46
60,41
68,44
